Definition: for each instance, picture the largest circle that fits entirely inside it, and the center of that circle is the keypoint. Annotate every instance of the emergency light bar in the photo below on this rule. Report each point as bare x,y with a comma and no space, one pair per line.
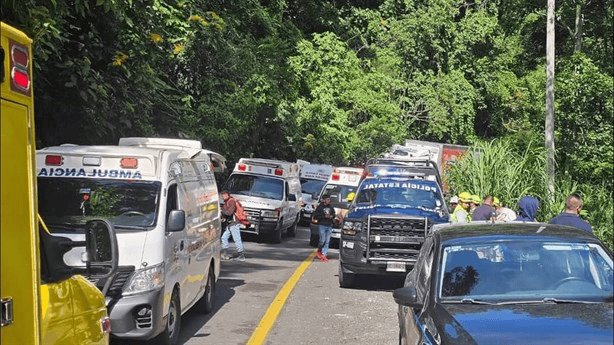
264,170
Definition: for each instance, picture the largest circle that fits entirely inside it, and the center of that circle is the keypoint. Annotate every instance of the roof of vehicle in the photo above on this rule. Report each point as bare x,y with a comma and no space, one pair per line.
104,150
478,232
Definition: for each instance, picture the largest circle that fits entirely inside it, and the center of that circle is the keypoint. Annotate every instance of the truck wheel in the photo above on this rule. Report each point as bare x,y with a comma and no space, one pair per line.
313,240
170,335
346,280
292,229
205,303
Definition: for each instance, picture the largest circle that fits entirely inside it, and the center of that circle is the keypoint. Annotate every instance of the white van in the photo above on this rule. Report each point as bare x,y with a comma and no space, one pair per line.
313,178
270,192
162,198
341,187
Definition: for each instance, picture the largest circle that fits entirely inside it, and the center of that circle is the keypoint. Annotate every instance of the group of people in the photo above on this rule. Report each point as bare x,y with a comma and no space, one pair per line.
471,208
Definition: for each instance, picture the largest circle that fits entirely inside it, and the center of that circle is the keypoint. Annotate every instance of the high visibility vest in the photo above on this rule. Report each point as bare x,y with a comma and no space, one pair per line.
460,210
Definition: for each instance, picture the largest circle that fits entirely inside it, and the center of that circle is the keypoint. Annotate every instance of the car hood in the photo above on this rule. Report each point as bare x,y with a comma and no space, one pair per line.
258,203
525,324
362,212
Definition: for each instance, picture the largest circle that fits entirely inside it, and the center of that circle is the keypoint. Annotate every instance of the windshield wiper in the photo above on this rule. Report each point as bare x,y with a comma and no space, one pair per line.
469,301
548,300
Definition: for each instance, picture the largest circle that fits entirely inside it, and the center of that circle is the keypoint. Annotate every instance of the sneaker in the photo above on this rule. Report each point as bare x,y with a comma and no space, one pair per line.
240,257
224,255
319,255
324,258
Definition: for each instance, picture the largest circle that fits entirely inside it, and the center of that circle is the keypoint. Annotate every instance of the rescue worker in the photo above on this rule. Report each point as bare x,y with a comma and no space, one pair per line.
571,215
504,214
527,209
461,212
485,211
453,202
475,202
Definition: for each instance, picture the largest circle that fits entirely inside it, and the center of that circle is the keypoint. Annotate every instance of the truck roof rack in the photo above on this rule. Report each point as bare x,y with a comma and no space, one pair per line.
418,167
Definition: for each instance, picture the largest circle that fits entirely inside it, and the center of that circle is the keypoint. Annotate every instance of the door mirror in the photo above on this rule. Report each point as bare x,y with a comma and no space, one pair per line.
175,221
407,296
291,197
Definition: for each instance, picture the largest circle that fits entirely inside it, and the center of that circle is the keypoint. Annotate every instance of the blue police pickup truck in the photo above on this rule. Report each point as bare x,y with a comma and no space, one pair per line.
394,209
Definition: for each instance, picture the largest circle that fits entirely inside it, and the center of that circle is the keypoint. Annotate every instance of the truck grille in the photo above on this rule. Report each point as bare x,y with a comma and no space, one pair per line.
252,214
395,238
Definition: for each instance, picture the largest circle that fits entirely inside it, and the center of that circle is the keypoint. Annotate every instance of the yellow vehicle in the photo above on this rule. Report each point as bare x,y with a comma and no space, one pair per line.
43,300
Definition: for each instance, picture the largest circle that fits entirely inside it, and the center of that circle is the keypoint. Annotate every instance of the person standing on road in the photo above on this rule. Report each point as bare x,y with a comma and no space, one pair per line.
233,228
571,215
461,212
324,216
527,209
485,211
504,214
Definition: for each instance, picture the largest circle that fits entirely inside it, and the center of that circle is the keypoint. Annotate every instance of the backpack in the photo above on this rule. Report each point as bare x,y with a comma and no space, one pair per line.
240,213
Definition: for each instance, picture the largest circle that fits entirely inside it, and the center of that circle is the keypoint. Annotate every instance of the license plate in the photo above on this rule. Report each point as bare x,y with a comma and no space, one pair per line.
392,266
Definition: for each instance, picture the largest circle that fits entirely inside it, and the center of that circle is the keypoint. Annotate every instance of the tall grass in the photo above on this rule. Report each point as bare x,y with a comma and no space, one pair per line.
498,169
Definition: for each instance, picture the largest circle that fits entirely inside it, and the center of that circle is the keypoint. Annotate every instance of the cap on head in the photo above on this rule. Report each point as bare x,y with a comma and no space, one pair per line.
476,199
454,200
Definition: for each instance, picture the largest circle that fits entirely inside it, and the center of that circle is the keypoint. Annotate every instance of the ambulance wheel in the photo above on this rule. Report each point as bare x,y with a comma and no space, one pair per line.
346,280
170,335
276,235
205,303
292,229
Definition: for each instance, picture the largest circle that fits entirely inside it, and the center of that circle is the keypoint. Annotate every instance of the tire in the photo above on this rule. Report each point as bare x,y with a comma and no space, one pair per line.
170,335
276,235
205,303
346,280
313,240
292,229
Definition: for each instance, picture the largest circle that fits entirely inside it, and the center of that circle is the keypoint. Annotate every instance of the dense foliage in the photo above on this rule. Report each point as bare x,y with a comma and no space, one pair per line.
330,81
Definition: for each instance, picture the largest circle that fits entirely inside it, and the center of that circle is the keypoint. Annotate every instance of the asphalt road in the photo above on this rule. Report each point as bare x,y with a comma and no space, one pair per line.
317,311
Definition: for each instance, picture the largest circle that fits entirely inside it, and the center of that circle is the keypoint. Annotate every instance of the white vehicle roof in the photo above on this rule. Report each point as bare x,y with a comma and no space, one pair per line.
270,167
122,162
316,171
347,176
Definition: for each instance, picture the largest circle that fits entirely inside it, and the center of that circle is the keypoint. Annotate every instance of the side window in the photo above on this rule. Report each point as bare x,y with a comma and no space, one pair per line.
171,200
424,274
287,191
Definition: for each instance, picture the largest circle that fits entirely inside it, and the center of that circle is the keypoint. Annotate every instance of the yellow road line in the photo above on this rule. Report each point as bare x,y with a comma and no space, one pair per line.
267,321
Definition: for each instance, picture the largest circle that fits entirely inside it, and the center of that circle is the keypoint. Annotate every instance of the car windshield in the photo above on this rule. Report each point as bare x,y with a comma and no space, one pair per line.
339,194
257,186
526,271
127,204
311,187
415,194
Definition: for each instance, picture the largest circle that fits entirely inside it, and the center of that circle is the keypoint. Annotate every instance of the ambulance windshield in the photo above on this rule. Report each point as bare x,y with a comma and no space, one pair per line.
256,186
66,202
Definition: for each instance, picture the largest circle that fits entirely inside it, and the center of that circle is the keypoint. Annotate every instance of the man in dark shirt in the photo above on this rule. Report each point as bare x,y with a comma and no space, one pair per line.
485,211
324,216
571,215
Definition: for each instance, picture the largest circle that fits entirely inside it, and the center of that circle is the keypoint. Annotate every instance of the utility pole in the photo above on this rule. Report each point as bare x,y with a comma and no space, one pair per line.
550,161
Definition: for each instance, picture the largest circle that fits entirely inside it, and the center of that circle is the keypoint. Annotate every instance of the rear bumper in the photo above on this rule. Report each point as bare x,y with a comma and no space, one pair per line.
124,316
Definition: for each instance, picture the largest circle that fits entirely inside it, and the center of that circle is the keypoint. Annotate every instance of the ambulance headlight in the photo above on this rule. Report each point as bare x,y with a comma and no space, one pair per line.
351,227
269,213
144,280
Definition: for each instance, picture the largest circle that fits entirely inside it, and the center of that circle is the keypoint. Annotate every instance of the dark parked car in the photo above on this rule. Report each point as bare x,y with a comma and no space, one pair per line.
514,283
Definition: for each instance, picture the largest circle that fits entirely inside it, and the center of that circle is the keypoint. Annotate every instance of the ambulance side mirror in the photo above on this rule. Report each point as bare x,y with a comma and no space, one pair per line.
175,221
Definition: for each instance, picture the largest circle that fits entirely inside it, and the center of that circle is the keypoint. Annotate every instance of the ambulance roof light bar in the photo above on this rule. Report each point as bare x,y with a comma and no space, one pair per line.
160,142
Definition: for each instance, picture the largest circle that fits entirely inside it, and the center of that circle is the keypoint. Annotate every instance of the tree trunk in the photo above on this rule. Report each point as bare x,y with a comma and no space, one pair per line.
550,162
578,29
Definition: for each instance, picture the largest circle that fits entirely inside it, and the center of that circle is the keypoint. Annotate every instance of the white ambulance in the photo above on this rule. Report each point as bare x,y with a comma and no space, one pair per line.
313,178
270,192
341,187
162,198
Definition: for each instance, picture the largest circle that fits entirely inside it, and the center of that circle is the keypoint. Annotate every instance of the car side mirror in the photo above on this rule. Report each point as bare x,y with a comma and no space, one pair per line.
407,296
291,197
175,221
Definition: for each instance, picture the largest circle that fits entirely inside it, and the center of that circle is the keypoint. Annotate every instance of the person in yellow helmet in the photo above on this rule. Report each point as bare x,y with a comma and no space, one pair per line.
461,212
475,202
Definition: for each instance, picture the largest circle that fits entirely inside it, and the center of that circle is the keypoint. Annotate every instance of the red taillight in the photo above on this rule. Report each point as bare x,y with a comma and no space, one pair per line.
129,163
105,324
20,61
335,177
279,172
53,160
242,167
20,79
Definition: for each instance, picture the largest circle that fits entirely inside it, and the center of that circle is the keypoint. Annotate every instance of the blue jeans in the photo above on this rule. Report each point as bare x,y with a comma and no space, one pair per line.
235,231
325,232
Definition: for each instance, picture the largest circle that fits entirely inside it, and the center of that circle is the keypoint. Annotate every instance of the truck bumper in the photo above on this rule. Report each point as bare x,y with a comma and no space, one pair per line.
126,321
352,258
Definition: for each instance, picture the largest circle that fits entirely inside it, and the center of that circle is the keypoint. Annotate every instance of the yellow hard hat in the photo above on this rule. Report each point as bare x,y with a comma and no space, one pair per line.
464,197
495,201
476,199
